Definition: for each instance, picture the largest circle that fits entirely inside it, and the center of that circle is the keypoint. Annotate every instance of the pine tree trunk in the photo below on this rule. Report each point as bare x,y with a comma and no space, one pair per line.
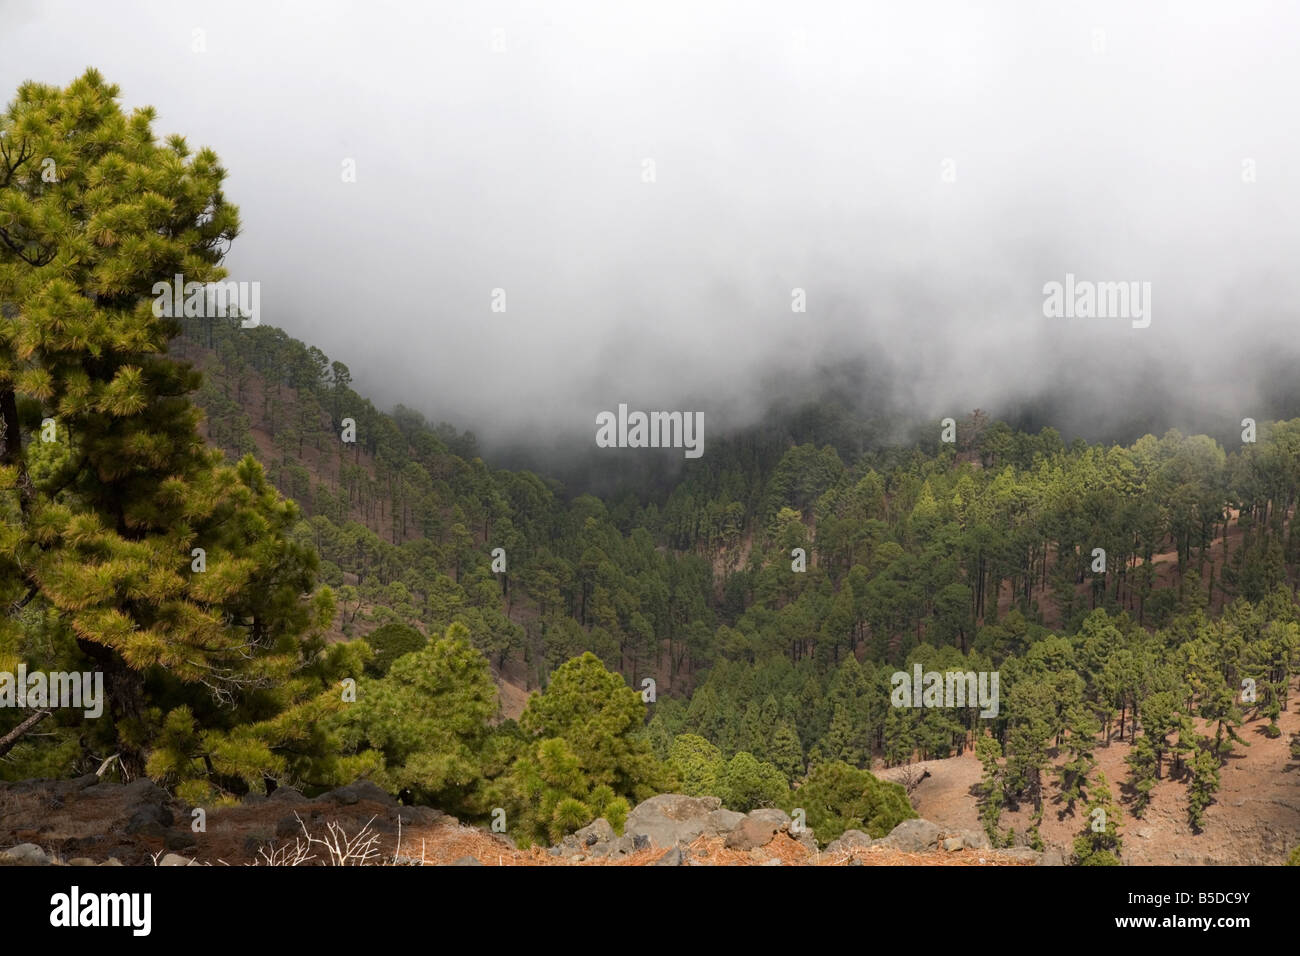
125,688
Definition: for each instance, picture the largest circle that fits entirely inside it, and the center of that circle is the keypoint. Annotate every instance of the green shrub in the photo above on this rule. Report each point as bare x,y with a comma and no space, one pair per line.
838,797
389,642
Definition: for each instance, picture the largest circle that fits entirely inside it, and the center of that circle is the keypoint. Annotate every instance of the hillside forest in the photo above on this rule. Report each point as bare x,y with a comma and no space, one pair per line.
285,585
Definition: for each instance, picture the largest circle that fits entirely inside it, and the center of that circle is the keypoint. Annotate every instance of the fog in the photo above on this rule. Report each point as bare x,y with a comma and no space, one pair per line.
920,171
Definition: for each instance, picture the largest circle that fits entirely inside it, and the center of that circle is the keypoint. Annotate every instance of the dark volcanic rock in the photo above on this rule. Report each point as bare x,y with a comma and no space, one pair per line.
179,840
356,792
286,795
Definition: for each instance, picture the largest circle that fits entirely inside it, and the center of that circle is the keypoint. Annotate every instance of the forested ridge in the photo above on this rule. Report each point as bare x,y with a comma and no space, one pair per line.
769,590
971,556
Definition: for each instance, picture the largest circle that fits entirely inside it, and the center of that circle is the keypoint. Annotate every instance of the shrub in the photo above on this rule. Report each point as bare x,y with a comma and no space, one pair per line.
389,642
838,797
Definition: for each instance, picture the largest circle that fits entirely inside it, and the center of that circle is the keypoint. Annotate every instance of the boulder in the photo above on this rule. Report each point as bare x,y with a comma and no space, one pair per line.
620,847
597,831
149,819
913,836
752,833
422,816
672,818
723,820
356,792
672,858
849,840
25,854
806,839
467,861
286,795
1052,856
142,790
774,815
174,859
179,840
975,839
66,788
1022,854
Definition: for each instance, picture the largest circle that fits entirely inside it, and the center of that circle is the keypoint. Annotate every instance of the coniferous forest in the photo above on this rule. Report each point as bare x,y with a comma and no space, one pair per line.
296,593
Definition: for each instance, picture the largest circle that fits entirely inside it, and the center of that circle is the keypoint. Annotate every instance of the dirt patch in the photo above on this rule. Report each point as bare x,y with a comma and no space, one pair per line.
1255,819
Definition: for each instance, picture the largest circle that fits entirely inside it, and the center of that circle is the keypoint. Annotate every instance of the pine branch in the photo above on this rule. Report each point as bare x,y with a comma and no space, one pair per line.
12,164
24,601
8,740
39,260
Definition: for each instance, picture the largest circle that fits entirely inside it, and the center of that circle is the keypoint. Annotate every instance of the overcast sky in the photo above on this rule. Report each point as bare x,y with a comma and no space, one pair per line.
920,169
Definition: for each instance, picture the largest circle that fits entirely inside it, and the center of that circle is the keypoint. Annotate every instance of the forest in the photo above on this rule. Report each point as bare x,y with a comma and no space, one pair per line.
729,627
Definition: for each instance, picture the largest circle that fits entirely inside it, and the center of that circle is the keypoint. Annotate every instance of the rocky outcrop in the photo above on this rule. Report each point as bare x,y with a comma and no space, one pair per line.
140,823
922,836
913,836
672,821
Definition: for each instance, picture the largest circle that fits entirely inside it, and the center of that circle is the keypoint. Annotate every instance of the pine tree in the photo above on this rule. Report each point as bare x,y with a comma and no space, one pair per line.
1204,783
837,797
1100,843
1160,719
748,783
786,753
429,718
1141,760
586,753
101,526
1031,707
1082,727
751,736
841,739
848,701
390,642
697,763
991,798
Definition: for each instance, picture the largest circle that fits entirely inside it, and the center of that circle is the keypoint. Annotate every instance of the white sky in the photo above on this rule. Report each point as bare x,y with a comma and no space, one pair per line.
795,144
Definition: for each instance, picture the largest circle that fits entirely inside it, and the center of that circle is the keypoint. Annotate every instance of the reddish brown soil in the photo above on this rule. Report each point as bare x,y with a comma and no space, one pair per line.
90,826
1255,818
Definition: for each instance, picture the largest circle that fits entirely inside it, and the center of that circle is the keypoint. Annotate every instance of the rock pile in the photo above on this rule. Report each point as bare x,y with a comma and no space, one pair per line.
671,821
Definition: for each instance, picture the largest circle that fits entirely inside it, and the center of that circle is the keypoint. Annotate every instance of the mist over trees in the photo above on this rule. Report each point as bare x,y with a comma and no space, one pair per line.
347,618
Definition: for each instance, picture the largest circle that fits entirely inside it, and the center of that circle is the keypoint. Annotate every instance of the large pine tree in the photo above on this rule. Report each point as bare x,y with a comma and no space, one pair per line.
209,678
